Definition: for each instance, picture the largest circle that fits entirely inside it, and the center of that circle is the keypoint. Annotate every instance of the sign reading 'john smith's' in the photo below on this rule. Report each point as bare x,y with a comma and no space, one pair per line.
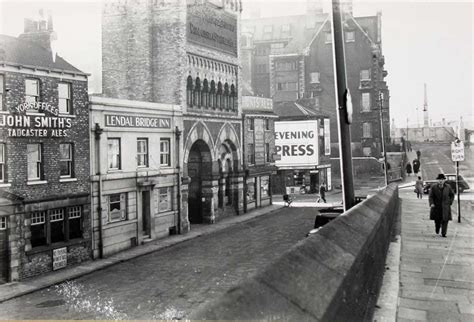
112,120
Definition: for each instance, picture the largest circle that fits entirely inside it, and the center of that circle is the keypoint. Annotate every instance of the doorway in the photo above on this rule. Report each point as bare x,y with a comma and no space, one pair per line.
146,213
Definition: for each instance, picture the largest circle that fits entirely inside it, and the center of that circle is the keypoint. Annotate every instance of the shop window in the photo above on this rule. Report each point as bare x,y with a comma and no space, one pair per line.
3,223
117,207
142,152
2,163
349,36
165,154
113,154
2,91
31,90
64,98
251,190
75,222
365,102
66,160
38,228
251,153
34,161
165,199
264,186
56,220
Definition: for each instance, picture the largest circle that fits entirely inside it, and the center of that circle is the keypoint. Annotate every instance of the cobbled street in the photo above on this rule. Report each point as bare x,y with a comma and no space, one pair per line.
170,283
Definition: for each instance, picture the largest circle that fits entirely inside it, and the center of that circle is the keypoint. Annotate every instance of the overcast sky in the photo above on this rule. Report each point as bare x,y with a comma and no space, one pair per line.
423,42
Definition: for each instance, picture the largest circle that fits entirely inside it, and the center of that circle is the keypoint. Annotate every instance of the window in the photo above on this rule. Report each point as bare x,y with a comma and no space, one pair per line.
31,90
314,78
267,32
251,123
365,74
251,190
56,220
142,152
2,163
262,50
349,36
284,66
328,37
316,100
34,161
277,45
367,151
251,153
289,86
285,31
165,156
38,228
117,207
75,222
64,98
113,154
267,124
2,86
365,102
3,223
264,184
165,200
267,152
65,160
366,130
261,68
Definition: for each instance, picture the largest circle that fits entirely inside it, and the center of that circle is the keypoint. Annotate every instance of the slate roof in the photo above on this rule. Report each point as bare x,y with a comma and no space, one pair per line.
25,53
294,109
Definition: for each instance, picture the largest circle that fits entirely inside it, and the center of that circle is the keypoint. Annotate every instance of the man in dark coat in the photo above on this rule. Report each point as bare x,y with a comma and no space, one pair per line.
322,193
441,198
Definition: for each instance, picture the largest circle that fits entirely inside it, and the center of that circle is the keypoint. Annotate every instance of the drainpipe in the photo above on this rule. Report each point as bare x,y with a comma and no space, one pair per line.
178,177
97,133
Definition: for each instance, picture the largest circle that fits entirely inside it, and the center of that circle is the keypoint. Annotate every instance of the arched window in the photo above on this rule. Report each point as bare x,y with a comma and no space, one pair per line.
219,95
233,98
212,95
226,96
205,94
197,93
189,91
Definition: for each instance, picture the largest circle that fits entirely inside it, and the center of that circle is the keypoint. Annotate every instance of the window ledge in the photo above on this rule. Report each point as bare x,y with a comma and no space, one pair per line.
34,183
45,248
5,185
67,179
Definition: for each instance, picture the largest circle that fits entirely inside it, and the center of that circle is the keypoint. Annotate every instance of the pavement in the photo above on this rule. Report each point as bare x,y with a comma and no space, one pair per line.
12,290
428,277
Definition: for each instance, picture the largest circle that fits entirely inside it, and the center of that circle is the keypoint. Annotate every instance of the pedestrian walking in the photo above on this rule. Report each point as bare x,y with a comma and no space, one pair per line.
322,193
441,198
416,166
408,168
419,188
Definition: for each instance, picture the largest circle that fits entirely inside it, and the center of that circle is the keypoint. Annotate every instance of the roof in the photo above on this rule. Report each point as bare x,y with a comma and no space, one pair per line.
296,110
25,53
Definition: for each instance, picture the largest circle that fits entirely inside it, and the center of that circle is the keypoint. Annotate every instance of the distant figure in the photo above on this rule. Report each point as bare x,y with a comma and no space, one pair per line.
408,168
441,198
322,193
416,166
287,200
419,188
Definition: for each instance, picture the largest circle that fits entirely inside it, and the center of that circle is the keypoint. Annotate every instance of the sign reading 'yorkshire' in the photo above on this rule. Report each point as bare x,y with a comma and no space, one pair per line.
31,125
112,120
208,26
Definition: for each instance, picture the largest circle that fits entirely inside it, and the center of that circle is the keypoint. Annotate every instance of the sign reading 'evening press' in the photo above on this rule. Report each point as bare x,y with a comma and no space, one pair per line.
297,143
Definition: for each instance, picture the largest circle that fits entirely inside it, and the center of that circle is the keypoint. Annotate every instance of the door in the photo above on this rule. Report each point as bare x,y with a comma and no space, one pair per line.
3,250
195,198
146,213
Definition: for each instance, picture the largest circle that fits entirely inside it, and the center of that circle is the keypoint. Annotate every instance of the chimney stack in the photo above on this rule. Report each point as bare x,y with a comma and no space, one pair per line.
39,31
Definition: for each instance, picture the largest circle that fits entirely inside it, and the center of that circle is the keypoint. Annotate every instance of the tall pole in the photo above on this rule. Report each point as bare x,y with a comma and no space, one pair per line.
384,152
344,107
457,191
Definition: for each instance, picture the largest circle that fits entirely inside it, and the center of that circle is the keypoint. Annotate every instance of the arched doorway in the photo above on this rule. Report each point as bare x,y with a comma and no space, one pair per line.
199,166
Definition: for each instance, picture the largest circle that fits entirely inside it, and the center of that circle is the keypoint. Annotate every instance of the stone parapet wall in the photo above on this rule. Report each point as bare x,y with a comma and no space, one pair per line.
334,275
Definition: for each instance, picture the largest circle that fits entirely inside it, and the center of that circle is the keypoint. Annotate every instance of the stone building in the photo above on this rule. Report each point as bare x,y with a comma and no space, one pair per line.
185,53
259,150
289,59
44,157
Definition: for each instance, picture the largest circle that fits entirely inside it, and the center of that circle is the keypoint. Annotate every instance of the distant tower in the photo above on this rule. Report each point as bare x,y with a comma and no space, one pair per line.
425,111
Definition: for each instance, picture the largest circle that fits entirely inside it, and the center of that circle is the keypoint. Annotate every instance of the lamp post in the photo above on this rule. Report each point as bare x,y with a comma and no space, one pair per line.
384,151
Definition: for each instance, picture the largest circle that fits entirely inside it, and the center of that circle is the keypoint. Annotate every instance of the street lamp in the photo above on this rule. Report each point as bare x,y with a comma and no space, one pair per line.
384,151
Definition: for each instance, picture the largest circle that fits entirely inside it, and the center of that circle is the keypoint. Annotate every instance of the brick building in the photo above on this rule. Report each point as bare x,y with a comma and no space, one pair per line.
185,53
259,149
44,157
289,59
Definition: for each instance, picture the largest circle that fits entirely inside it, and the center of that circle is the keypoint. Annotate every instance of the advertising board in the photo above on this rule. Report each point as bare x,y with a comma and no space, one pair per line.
296,142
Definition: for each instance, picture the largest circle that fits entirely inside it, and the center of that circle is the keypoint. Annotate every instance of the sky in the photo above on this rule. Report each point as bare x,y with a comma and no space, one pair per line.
423,42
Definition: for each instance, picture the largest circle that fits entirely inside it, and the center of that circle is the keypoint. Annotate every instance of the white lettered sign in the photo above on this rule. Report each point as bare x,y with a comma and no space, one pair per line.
59,258
457,151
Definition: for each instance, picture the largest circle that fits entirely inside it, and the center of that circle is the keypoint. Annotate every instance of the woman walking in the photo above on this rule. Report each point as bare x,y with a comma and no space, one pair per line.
419,188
